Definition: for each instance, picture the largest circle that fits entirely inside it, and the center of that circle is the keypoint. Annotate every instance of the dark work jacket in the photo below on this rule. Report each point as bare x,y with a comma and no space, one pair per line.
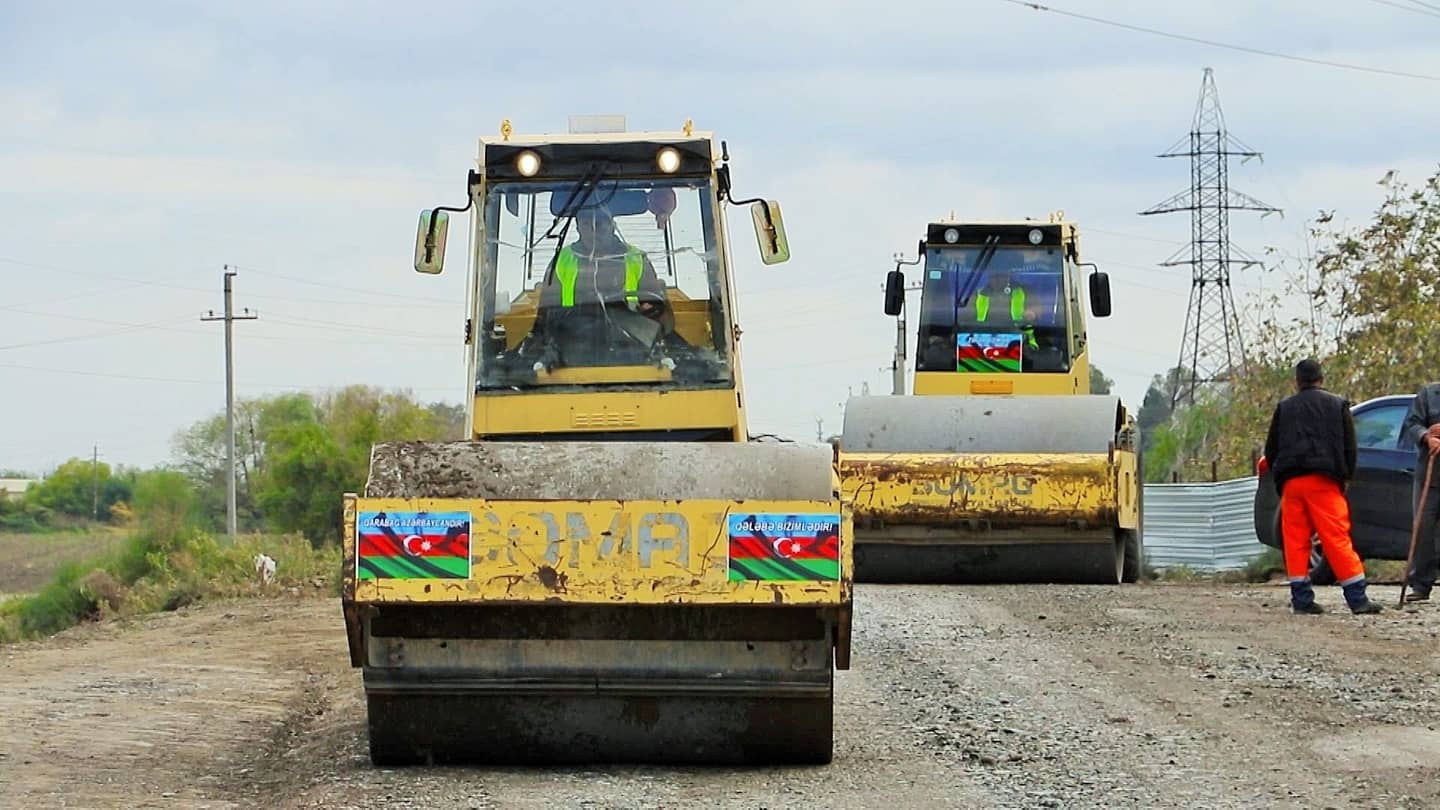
1311,432
1424,412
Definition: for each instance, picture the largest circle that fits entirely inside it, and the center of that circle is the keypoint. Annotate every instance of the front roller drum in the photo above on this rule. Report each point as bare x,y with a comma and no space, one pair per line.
539,729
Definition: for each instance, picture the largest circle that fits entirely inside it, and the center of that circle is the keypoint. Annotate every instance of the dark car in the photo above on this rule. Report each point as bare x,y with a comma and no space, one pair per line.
1380,496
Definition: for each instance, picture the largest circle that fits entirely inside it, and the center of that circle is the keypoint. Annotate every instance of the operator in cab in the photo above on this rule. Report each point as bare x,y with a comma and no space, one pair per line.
601,303
602,268
1005,302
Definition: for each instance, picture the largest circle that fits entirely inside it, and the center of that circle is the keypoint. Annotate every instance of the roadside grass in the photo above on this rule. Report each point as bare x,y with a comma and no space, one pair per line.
154,571
30,559
1270,566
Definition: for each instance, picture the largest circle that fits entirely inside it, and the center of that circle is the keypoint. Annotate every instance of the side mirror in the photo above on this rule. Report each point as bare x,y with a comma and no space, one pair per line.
894,292
1100,295
770,232
430,241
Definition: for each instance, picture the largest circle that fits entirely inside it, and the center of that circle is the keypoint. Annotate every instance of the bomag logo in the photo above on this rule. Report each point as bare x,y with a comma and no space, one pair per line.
574,538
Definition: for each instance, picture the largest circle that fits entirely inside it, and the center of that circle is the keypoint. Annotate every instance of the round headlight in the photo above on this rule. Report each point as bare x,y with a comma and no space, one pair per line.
952,236
1036,236
527,164
668,159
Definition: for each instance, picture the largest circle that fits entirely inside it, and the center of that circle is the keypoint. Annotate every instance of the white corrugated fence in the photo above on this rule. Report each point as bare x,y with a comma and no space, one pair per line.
1205,526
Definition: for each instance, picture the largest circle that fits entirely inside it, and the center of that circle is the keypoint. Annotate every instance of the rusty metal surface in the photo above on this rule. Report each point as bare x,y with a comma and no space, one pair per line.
409,728
607,552
600,471
547,684
981,424
1096,562
1000,490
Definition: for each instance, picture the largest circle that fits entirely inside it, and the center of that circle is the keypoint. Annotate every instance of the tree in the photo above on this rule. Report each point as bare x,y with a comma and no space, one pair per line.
77,487
1370,298
1099,383
1381,288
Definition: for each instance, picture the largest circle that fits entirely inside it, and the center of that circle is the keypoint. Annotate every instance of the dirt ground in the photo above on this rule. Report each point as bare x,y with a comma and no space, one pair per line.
1154,695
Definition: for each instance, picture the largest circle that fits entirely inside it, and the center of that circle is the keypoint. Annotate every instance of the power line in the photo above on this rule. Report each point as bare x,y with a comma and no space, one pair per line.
1214,44
361,290
196,381
1428,11
73,338
108,375
124,326
187,288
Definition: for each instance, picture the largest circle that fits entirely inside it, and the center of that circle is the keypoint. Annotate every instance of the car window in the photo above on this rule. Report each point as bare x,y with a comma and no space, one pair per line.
1379,428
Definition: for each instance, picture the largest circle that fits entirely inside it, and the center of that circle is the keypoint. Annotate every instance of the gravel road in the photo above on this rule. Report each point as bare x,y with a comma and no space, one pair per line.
1153,695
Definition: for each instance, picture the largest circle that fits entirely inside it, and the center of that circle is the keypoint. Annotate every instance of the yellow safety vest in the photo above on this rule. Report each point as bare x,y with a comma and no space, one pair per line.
1017,311
567,269
1017,305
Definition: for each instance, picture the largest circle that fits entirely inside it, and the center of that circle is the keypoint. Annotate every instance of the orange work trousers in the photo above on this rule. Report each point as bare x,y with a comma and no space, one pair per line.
1315,504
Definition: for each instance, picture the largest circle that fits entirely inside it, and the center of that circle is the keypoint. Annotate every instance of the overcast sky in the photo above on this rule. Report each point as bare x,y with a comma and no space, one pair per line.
145,145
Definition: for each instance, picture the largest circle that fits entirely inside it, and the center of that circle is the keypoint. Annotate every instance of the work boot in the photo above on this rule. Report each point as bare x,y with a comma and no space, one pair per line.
1357,600
1302,598
1417,594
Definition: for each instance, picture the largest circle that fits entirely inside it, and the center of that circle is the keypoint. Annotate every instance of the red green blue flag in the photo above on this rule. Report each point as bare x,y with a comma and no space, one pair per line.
413,545
988,352
784,547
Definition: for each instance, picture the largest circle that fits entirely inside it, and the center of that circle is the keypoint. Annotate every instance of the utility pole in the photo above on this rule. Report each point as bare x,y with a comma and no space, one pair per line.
897,366
229,318
95,483
819,429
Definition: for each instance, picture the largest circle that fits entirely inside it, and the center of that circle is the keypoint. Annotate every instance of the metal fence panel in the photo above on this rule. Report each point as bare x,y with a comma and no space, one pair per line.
1206,526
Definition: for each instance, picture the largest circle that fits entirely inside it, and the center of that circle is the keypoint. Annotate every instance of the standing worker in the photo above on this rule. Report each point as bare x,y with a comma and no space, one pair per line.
1311,452
1422,429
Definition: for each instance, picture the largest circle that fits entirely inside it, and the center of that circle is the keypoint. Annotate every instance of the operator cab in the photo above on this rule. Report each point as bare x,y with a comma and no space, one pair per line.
600,262
1000,299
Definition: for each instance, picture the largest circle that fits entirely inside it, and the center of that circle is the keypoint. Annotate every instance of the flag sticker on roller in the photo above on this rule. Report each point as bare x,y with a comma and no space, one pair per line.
414,545
784,547
988,352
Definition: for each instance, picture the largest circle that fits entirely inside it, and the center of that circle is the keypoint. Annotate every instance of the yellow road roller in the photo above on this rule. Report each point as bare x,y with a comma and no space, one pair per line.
1002,466
607,568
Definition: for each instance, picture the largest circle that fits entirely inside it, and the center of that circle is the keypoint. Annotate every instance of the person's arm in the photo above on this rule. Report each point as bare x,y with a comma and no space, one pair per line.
1272,437
1417,419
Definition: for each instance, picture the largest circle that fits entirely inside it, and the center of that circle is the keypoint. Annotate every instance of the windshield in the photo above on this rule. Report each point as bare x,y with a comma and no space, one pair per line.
612,283
1008,317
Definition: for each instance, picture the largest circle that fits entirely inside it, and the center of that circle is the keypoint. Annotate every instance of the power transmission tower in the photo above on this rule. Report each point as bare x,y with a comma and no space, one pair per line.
229,318
1211,348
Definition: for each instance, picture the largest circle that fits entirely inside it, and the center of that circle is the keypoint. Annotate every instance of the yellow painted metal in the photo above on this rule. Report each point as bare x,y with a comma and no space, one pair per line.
954,383
534,413
1007,490
599,552
1127,484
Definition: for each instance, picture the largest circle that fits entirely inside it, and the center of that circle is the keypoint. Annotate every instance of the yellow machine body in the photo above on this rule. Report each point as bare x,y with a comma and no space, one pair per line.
606,568
1002,466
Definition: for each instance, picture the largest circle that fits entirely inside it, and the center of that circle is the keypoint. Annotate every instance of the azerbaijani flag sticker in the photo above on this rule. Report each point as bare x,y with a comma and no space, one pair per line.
773,547
414,545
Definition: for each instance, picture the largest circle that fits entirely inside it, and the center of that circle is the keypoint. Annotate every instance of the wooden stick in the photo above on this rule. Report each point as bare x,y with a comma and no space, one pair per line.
1415,528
